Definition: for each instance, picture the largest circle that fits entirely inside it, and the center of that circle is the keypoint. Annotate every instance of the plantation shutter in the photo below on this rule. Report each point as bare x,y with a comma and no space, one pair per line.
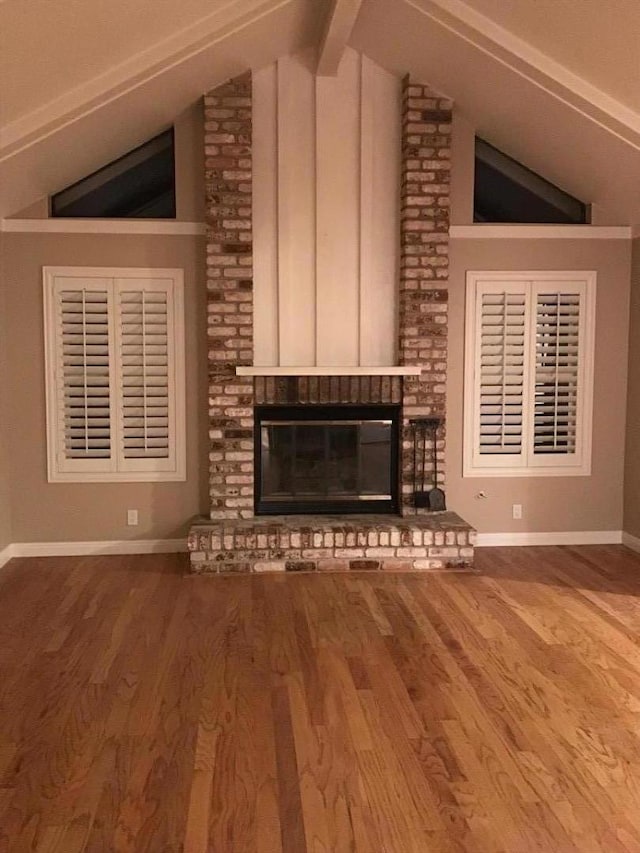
557,373
145,363
84,401
501,340
529,373
115,374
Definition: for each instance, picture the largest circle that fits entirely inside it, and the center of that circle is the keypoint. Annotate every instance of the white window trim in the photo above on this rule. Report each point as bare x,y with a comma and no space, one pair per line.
177,379
582,465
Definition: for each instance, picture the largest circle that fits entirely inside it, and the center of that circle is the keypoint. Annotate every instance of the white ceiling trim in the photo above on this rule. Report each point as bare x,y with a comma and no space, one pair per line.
527,61
102,226
480,231
341,18
143,67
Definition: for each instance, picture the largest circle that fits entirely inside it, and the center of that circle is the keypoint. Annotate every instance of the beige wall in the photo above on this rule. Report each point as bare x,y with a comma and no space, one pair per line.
463,151
549,503
462,176
632,458
189,160
43,511
5,484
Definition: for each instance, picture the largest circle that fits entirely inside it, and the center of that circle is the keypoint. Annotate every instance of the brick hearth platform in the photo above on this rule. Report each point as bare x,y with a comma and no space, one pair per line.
435,542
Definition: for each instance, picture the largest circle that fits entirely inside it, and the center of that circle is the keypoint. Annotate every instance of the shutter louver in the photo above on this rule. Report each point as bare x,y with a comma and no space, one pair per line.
556,372
83,373
501,366
144,368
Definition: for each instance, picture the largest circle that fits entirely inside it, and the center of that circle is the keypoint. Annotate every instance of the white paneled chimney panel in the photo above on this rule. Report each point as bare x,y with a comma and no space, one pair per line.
296,211
380,214
326,214
265,217
338,213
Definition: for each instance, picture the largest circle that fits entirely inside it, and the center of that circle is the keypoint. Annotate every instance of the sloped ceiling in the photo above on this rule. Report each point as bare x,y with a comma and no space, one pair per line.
554,83
598,40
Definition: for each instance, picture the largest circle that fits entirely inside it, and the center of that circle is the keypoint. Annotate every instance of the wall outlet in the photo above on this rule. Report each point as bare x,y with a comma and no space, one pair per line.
517,510
132,517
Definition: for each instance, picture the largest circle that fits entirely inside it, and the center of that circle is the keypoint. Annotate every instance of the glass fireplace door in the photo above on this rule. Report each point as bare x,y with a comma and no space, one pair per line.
336,461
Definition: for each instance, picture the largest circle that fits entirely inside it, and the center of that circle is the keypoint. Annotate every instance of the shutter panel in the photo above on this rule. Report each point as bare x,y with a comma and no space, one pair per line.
145,365
115,391
557,363
83,390
501,339
529,373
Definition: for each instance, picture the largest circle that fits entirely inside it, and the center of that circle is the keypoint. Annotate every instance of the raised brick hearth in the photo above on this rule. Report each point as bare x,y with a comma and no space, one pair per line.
437,541
233,539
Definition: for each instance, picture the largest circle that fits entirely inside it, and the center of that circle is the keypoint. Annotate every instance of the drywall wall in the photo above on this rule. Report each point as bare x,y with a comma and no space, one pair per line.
632,456
5,481
43,511
463,171
549,503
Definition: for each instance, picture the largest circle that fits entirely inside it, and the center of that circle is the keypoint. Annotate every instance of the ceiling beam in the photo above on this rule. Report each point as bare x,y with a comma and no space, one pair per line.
341,17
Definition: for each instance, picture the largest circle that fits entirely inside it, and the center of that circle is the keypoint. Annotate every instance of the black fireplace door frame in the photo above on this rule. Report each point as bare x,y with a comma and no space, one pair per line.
312,412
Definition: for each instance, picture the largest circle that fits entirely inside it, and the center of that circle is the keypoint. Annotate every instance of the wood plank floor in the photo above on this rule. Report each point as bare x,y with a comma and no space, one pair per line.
142,709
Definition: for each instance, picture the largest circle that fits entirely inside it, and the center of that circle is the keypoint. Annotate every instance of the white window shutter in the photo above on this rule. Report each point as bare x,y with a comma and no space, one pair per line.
529,373
80,404
502,334
146,367
561,366
501,339
115,374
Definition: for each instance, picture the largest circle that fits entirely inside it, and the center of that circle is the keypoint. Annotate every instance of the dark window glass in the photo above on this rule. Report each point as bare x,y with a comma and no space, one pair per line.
139,185
506,191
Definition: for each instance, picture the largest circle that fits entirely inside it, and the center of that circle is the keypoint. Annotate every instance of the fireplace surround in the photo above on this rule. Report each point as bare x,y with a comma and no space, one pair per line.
234,538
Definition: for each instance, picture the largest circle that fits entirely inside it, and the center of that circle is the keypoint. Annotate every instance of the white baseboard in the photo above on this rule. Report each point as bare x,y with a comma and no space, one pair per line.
174,546
577,537
631,542
72,549
6,554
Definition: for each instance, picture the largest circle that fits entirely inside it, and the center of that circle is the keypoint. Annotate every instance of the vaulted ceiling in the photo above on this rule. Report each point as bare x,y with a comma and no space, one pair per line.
554,83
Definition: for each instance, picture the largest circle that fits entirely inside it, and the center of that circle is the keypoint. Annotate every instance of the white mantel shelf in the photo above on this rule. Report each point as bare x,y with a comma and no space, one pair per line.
329,371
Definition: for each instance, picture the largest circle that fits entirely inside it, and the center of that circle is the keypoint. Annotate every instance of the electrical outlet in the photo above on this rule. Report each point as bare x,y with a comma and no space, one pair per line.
517,510
132,517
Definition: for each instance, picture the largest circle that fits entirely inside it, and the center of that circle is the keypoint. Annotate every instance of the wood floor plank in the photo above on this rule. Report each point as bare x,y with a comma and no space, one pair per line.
145,709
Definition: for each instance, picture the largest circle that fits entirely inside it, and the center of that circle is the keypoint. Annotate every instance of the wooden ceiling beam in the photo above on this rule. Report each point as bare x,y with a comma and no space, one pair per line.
341,17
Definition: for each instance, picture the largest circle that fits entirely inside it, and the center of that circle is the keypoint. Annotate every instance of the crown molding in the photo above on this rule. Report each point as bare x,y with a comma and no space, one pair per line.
529,62
103,226
481,231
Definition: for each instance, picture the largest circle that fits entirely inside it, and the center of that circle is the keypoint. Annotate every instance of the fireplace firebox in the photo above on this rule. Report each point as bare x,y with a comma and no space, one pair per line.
326,459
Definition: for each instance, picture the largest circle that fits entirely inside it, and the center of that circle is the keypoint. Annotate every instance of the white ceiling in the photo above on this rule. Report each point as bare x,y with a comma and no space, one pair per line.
555,83
599,40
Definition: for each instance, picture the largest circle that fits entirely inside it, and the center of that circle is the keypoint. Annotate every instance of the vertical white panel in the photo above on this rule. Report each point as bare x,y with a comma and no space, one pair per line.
265,217
380,218
338,213
296,212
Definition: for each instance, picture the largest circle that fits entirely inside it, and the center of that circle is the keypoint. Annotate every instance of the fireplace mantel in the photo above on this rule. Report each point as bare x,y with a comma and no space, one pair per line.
392,370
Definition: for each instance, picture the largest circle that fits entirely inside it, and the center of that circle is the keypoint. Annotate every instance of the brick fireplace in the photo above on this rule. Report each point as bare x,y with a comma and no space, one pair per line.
233,538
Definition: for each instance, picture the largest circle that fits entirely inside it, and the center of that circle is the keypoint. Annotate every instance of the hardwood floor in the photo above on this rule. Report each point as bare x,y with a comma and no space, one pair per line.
142,709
